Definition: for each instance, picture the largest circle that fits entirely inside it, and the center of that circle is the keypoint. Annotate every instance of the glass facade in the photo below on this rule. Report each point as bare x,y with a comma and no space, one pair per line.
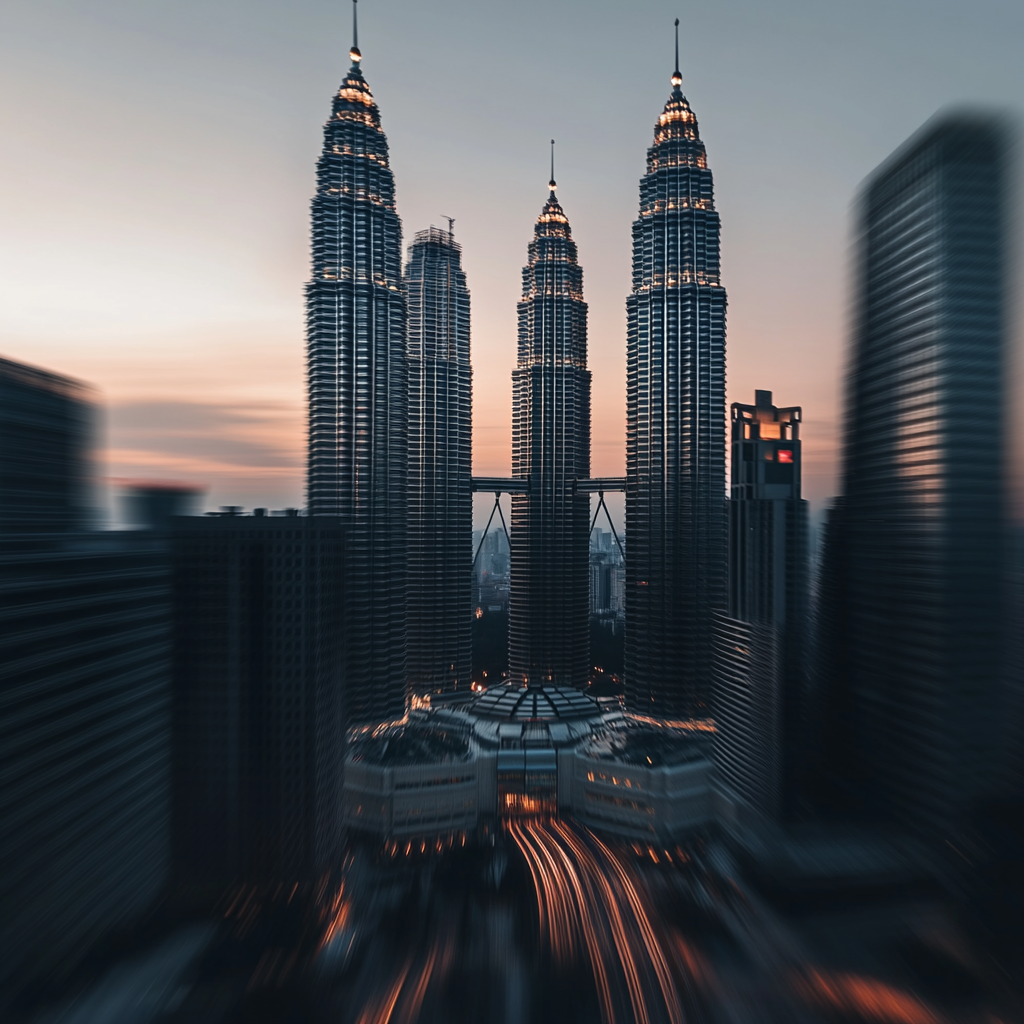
549,638
675,439
440,466
355,312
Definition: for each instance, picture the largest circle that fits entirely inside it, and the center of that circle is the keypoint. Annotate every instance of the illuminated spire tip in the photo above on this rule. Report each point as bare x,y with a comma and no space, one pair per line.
551,183
677,77
354,52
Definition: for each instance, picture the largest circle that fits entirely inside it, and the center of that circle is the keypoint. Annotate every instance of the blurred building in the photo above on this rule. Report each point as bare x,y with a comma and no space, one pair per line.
549,635
440,465
46,435
151,506
85,697
358,419
259,696
761,643
916,545
675,432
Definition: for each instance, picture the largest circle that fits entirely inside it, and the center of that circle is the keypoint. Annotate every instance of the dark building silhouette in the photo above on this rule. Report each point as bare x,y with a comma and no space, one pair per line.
84,695
440,466
921,521
549,630
46,428
675,435
151,506
761,645
355,310
258,696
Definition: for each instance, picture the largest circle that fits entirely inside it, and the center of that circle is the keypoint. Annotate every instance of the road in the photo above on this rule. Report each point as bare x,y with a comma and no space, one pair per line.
590,903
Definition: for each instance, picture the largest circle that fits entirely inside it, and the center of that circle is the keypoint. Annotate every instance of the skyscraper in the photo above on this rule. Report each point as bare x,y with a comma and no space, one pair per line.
760,645
258,696
675,435
440,465
549,600
922,515
355,313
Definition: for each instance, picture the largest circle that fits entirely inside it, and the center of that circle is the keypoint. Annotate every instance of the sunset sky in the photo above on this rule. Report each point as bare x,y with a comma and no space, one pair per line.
157,162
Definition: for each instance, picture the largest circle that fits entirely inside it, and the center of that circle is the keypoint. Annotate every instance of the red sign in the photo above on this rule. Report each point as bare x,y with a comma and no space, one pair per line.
785,455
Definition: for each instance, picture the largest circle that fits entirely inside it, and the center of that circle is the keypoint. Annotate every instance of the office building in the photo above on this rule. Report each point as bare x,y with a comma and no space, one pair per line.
675,433
259,696
355,315
440,466
922,517
760,648
548,605
46,434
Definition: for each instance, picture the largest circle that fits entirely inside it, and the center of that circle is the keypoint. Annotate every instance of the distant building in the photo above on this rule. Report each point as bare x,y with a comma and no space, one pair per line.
259,696
151,506
549,635
440,466
761,642
675,432
46,438
85,748
358,416
915,690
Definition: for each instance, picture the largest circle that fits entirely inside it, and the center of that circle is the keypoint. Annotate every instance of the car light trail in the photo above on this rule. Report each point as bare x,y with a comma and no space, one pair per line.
588,898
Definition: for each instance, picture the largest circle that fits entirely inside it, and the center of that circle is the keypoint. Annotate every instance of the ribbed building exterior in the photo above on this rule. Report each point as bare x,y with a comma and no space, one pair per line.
760,663
550,575
357,391
921,521
675,440
440,466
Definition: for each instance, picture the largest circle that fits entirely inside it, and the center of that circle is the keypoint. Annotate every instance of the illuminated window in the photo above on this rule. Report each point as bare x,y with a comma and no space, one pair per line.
785,455
769,455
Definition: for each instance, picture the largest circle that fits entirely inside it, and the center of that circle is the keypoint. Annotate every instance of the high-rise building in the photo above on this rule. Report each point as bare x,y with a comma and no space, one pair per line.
549,601
259,632
85,743
675,437
922,513
761,641
85,721
440,466
46,427
355,312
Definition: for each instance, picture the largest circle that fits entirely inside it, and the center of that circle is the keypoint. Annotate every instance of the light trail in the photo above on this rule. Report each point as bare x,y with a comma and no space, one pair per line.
587,897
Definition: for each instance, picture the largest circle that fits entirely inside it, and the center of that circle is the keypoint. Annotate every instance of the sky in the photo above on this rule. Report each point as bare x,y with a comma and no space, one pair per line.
157,163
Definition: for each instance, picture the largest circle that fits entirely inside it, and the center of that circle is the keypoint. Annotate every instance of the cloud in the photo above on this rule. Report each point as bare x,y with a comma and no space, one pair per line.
204,438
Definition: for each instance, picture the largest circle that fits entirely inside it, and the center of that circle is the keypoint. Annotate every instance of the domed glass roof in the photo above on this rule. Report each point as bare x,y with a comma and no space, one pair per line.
534,703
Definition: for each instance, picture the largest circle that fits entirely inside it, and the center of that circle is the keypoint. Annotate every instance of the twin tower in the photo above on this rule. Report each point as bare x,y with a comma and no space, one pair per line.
390,436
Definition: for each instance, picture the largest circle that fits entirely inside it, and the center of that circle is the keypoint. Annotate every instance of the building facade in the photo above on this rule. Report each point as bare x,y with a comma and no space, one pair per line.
355,311
760,683
440,466
550,579
259,629
85,744
675,436
922,513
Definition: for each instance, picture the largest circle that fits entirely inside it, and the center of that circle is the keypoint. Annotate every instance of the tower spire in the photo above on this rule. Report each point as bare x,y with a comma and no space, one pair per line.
551,183
354,52
677,76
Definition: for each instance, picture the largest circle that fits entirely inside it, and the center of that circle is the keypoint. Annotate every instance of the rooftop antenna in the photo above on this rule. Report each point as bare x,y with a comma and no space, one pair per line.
677,77
551,183
354,52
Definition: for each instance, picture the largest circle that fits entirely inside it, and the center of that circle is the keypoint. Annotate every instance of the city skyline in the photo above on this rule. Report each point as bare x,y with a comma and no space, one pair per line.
183,403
